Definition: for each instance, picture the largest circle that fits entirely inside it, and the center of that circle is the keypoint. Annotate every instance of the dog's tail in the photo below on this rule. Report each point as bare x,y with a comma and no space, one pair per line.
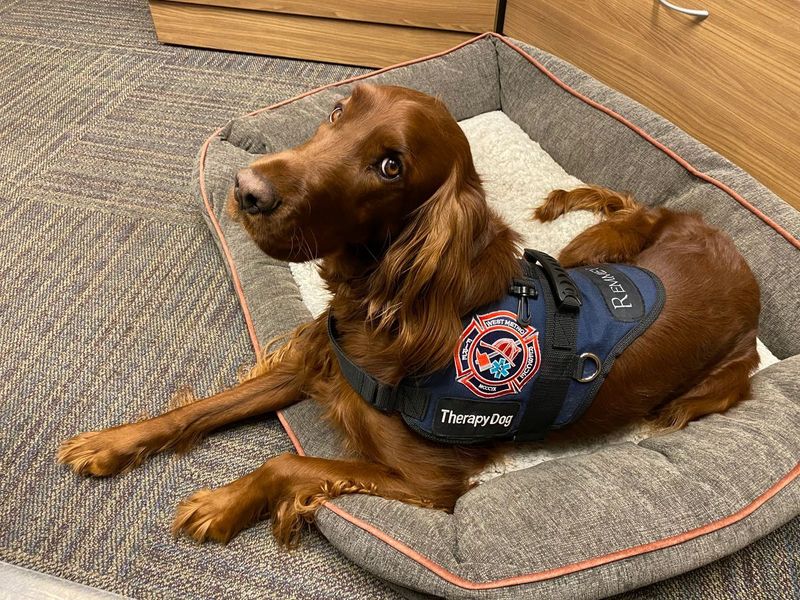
594,198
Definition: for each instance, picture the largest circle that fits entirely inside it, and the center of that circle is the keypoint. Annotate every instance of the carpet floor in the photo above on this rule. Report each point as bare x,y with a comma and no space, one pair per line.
114,295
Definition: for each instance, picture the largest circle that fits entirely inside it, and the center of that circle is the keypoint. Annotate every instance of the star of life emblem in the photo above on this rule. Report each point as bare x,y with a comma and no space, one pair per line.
496,356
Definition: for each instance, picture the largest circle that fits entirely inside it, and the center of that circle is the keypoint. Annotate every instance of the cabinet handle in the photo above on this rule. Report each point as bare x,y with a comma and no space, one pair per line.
695,12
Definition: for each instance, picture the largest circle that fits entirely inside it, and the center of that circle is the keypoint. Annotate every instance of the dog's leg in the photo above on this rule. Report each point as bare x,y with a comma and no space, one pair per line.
113,450
290,488
620,238
723,387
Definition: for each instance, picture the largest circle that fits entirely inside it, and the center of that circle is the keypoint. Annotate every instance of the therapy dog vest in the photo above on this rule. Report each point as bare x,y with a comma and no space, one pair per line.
531,362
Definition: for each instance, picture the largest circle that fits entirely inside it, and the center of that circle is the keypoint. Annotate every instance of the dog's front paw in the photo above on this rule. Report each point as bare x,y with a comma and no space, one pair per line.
217,515
100,453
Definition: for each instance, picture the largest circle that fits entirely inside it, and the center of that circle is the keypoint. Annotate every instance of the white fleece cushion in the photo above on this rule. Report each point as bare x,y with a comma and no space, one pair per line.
517,176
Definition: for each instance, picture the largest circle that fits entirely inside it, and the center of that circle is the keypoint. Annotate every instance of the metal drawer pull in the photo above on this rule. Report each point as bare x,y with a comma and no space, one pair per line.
695,12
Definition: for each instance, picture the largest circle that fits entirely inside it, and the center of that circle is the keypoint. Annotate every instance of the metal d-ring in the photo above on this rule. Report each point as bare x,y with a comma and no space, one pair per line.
597,365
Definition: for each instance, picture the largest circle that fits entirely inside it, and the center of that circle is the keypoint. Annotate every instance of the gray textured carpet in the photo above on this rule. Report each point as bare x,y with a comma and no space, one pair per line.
113,295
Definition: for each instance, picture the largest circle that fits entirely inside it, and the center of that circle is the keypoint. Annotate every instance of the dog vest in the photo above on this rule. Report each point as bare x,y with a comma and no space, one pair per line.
527,364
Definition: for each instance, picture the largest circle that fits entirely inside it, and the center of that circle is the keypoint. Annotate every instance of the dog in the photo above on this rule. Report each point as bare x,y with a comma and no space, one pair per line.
386,195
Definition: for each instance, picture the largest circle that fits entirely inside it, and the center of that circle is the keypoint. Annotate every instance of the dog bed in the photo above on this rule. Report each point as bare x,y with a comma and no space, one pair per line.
585,521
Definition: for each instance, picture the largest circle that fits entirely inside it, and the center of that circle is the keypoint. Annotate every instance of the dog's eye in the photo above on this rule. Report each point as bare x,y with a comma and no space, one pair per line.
390,168
335,113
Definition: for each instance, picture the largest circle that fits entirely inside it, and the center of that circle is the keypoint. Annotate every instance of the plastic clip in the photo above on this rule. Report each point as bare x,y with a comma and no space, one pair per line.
523,289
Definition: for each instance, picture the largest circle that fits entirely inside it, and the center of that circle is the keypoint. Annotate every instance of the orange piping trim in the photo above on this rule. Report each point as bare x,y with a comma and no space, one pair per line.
225,250
590,563
673,155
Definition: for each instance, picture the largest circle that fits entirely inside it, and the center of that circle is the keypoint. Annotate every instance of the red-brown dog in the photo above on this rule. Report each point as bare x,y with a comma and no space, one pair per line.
386,194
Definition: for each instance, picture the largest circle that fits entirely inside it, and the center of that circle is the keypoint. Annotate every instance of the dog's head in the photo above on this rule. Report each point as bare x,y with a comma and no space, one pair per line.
382,153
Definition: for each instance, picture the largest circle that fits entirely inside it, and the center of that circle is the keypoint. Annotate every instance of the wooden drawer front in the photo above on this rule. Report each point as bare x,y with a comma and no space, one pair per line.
455,15
731,80
313,38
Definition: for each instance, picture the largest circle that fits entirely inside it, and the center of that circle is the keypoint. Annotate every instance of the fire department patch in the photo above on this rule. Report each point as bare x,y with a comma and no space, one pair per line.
496,356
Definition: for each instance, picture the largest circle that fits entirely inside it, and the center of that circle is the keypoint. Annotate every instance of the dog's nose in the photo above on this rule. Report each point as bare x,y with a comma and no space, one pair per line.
254,193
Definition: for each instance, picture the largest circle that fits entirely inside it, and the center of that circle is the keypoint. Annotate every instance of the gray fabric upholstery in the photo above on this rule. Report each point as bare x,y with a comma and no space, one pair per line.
575,509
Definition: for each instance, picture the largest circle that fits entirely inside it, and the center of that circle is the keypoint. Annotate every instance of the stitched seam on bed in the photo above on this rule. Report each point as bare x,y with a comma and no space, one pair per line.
666,150
400,546
575,567
237,284
368,75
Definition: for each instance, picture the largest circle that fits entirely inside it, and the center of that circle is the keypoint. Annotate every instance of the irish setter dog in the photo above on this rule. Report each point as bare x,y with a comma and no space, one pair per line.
386,194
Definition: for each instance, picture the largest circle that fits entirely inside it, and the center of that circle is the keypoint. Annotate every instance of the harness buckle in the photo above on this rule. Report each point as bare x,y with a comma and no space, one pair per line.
523,288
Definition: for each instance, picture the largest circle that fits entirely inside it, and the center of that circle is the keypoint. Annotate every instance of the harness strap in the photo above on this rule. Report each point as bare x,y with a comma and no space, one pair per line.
405,398
563,300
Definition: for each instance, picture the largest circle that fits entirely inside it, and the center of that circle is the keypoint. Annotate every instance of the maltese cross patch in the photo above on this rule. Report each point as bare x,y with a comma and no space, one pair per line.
496,356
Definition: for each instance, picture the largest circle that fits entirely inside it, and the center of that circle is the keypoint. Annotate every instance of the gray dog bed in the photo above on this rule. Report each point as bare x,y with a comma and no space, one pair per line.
579,522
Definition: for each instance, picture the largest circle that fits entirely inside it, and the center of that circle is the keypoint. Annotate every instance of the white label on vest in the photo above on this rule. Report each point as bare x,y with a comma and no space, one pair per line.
463,418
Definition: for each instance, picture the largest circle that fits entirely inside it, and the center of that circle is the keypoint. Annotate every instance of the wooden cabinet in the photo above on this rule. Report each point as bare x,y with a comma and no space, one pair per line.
731,80
362,32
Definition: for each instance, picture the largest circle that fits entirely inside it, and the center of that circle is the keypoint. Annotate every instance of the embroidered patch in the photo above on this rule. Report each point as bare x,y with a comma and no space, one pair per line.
496,356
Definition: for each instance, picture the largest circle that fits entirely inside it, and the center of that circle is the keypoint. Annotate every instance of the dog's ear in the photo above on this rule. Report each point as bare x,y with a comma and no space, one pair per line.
422,284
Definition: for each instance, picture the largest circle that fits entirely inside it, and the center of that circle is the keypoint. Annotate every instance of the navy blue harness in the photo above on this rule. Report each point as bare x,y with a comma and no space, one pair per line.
529,363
